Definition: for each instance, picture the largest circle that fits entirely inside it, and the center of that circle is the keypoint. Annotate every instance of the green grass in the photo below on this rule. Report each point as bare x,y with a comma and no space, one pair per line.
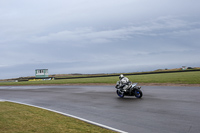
192,77
17,118
177,78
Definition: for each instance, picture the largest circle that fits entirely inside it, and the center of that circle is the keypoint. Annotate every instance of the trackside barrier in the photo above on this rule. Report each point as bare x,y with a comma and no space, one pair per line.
142,73
103,75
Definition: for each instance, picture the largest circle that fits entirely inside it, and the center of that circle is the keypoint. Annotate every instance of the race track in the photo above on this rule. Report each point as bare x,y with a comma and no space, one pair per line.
162,109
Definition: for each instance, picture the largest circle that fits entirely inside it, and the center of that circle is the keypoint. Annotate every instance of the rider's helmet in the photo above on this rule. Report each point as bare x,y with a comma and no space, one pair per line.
121,76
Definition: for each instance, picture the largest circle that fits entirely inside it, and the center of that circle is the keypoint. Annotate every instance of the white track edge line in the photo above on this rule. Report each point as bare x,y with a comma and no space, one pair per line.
82,119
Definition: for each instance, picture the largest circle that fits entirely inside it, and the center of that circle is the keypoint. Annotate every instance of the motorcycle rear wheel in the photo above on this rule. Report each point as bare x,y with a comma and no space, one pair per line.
138,93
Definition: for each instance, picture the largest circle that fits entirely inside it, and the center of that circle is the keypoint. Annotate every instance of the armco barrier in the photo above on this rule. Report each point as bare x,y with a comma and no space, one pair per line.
139,73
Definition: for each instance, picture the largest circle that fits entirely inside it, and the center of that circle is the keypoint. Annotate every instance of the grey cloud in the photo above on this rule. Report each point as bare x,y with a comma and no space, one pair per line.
169,26
88,36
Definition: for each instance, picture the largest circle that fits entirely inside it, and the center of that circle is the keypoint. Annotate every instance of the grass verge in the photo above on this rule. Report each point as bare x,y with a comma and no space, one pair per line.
22,118
192,77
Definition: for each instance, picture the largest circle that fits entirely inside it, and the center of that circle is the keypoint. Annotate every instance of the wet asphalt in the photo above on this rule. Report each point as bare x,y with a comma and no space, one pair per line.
162,109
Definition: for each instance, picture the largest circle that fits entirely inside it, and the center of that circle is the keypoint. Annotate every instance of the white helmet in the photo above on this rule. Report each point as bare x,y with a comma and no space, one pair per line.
121,76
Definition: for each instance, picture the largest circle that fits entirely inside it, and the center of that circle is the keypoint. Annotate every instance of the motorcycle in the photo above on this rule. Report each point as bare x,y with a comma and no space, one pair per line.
132,90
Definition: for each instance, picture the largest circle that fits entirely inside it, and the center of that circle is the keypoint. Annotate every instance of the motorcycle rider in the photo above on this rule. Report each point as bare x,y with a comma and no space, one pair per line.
124,82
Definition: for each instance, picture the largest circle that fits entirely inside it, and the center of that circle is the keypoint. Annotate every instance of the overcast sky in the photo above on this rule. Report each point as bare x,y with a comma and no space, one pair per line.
97,36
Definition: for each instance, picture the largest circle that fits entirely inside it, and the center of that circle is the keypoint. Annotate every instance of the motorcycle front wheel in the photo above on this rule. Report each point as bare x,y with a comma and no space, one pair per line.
138,93
121,95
